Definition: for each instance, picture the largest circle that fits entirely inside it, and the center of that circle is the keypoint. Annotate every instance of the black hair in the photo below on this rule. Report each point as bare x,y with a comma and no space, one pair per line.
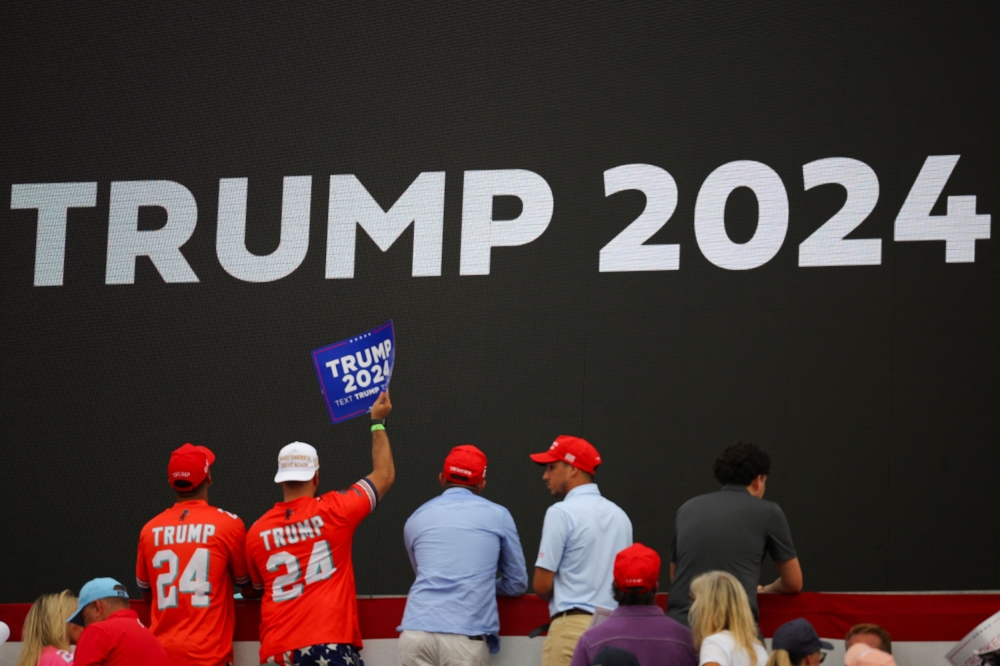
630,596
741,463
189,490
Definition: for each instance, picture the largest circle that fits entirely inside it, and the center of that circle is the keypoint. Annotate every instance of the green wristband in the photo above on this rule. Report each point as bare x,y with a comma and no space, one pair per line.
378,426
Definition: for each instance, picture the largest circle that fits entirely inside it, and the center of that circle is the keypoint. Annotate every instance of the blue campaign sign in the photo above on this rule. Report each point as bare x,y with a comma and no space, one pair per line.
353,372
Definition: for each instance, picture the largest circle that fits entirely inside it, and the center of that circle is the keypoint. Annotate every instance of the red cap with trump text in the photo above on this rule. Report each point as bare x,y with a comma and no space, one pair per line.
188,466
465,465
575,451
637,568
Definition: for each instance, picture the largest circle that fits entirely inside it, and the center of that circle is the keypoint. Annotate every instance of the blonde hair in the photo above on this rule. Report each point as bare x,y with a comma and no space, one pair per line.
721,604
780,658
45,626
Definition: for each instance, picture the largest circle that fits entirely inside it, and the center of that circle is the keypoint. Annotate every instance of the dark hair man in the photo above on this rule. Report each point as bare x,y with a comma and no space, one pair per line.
299,554
457,542
732,530
193,553
638,625
112,634
869,634
580,537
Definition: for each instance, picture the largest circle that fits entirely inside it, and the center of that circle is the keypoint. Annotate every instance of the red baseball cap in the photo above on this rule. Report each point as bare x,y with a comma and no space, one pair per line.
576,451
465,465
637,568
188,466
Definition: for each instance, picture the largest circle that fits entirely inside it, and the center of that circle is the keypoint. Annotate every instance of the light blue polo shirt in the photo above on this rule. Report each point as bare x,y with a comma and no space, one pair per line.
580,538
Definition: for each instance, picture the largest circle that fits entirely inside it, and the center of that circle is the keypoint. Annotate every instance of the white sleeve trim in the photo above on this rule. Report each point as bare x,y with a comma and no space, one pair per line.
369,488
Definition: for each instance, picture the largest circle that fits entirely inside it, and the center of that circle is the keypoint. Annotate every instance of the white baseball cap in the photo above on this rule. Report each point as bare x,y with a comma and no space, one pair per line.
297,462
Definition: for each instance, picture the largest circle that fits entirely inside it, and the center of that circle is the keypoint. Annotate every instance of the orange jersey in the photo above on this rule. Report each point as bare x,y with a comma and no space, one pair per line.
299,554
189,556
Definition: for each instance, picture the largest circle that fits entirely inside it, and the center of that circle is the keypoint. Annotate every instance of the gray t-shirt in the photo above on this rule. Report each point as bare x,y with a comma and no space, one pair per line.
730,530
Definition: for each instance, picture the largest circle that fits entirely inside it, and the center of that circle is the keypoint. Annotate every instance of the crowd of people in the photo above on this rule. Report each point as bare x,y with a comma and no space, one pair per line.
465,550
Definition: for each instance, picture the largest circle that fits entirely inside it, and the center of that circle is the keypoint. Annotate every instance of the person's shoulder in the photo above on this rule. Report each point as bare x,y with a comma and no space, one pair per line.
723,639
558,510
333,498
428,508
222,519
673,626
698,501
156,520
607,506
772,507
494,507
219,512
52,656
714,497
264,521
611,506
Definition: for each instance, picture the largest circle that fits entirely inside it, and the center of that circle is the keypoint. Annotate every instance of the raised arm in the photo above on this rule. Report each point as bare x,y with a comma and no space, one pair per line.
383,469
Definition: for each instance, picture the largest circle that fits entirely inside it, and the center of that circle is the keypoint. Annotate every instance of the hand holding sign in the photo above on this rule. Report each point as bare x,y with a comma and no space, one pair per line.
353,372
382,406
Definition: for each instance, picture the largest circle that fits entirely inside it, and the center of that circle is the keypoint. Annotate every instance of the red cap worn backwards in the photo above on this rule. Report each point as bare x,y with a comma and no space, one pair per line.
465,465
573,450
188,466
637,568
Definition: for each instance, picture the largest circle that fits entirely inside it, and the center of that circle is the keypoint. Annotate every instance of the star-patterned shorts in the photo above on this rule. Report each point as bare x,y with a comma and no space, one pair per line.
329,654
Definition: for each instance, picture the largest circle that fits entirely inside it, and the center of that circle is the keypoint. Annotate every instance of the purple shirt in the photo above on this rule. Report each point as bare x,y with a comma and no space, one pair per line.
644,631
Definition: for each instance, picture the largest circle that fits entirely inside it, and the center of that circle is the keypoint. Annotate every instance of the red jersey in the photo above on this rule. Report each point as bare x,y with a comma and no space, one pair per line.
299,553
120,640
189,556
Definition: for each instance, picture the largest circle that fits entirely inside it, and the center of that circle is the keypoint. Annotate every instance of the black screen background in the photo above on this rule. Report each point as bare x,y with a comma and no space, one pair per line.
874,388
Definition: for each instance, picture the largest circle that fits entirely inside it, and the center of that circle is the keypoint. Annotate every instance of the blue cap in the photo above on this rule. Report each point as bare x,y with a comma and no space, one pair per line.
798,639
99,588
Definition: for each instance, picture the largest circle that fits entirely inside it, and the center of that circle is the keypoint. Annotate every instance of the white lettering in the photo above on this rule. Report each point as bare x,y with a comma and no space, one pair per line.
168,536
710,214
52,200
291,534
305,530
230,241
333,366
279,537
480,232
156,535
317,523
182,533
194,534
267,542
209,531
422,204
628,250
347,363
162,246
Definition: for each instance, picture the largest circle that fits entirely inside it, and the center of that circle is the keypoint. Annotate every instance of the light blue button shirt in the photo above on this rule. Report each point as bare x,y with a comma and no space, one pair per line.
457,543
580,538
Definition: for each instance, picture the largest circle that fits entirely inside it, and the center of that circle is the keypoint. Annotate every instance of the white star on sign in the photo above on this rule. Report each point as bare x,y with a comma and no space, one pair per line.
331,646
305,650
322,661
